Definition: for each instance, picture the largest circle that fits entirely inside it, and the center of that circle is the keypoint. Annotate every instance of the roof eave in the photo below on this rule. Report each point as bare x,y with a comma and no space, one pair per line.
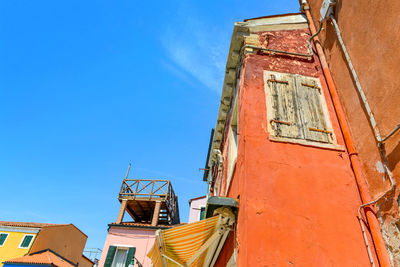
240,30
232,64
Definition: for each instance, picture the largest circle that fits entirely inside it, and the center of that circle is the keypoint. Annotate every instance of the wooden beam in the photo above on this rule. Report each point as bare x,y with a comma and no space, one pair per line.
133,214
144,187
156,213
122,211
212,240
141,208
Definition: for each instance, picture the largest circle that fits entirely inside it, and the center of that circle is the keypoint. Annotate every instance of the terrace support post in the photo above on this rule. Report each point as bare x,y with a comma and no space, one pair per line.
122,211
156,213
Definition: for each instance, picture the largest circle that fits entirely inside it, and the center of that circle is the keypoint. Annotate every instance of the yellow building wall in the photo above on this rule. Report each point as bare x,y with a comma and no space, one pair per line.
10,249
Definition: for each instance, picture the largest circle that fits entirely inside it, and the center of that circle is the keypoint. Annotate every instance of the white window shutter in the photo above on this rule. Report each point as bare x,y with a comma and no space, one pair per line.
312,110
286,121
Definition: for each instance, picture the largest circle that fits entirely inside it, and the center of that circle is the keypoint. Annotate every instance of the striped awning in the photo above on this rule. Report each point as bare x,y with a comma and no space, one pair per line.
192,244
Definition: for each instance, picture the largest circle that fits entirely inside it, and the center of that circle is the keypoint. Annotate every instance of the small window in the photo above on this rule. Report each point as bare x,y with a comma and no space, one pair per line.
120,256
3,237
26,241
202,213
296,109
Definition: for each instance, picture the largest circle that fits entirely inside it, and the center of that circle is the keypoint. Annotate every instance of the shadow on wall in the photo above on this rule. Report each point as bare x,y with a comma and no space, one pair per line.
328,29
393,157
331,44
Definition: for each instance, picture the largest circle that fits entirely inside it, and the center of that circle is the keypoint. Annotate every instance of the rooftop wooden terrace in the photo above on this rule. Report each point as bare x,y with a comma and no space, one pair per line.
149,201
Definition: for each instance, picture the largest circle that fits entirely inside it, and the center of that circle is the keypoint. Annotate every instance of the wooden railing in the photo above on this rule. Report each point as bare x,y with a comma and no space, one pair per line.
151,190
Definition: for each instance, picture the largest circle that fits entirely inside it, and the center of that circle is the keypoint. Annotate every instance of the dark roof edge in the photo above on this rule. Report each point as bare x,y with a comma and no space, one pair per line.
196,198
83,256
274,16
138,226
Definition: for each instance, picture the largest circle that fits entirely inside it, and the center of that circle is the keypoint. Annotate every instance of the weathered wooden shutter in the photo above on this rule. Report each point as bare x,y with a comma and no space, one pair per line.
286,121
27,240
130,257
312,112
110,256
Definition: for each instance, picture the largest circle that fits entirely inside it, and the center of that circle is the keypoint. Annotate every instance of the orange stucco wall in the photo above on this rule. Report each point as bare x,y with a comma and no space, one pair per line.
66,240
226,253
297,204
85,262
370,31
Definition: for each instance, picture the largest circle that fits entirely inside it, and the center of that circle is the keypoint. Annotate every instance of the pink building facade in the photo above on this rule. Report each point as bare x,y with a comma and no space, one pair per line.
125,236
197,208
152,205
140,237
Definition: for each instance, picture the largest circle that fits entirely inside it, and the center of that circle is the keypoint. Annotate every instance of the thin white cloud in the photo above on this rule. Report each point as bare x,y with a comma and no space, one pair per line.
198,49
179,73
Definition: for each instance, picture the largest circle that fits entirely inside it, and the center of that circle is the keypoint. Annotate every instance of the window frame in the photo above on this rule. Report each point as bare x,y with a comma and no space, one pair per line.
271,112
202,212
130,254
126,249
23,238
7,234
233,146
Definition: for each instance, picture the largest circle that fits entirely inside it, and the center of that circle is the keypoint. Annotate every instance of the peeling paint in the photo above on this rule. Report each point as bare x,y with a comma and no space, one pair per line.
296,201
376,66
379,167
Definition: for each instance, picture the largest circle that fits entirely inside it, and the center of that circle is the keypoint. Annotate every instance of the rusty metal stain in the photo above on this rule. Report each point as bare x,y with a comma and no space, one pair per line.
281,122
319,130
278,81
312,86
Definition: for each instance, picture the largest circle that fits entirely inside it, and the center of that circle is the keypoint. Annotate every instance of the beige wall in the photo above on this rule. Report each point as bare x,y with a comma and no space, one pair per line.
84,262
66,240
371,33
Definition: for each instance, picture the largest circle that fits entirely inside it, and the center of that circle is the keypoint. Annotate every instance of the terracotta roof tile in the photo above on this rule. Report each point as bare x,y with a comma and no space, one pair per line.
27,224
46,257
136,224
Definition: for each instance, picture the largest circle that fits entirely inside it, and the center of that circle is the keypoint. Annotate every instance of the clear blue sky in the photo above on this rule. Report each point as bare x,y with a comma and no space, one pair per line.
87,86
